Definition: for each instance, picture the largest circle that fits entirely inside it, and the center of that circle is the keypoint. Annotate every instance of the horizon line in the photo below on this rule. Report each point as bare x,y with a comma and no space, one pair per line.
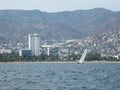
59,11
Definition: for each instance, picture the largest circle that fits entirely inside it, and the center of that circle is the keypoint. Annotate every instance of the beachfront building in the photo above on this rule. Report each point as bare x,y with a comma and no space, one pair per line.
7,51
34,44
25,52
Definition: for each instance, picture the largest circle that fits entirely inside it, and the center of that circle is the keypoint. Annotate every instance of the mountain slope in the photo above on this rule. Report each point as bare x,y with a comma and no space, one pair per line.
16,24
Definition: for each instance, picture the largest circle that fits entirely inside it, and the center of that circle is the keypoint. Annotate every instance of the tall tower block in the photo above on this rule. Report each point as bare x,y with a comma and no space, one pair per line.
34,44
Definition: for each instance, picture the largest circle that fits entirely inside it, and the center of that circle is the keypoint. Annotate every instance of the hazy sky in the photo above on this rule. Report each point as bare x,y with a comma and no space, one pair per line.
59,5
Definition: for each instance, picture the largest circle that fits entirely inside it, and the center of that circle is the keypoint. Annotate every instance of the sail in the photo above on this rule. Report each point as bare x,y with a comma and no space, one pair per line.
83,56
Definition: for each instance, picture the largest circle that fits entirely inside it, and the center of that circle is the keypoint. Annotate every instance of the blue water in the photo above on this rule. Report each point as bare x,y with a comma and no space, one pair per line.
39,76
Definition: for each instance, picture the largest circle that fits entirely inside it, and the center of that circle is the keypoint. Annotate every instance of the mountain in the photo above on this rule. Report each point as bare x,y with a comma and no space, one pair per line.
107,43
15,25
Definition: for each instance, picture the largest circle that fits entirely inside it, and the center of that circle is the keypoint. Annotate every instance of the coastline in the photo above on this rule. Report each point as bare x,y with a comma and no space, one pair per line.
68,62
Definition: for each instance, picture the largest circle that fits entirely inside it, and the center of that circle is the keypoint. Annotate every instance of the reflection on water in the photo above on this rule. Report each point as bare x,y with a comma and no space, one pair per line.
59,76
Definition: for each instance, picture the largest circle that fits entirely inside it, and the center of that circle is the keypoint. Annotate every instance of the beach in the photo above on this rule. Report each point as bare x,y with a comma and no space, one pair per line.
67,62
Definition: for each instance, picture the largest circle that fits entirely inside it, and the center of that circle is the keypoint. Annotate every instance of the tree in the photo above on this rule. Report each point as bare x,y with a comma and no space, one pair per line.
93,56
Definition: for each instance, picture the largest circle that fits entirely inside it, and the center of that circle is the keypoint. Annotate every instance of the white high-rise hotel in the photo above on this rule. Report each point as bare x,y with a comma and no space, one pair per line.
34,44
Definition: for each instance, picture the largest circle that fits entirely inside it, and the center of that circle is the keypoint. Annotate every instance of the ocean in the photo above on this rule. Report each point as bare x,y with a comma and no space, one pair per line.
59,76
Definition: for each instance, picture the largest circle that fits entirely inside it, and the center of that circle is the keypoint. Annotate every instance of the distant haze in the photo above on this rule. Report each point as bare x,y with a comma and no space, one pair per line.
59,5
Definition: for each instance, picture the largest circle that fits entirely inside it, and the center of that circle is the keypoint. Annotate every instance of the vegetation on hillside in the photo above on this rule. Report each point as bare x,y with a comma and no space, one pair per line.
59,25
14,57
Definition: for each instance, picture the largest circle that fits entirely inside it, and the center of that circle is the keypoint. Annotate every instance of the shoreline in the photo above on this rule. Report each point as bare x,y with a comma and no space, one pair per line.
67,62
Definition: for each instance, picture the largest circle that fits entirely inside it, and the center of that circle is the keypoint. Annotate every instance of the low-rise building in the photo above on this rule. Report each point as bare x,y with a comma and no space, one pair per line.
25,52
5,51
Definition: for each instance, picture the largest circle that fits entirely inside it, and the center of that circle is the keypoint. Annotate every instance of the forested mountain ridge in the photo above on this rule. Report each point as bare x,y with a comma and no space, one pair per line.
16,24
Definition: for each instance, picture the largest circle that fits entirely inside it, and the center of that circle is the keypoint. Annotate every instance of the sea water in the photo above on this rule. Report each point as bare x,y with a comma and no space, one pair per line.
60,76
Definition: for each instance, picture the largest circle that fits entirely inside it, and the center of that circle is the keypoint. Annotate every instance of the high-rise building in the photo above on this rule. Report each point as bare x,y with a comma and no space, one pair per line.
34,44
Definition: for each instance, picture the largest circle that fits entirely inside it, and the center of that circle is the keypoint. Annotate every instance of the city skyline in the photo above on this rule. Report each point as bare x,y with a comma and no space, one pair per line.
59,5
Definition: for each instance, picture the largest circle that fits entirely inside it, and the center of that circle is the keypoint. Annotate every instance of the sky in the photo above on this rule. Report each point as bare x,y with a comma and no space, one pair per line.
59,5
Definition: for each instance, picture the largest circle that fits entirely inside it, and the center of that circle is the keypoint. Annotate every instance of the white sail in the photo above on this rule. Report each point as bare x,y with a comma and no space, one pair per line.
83,56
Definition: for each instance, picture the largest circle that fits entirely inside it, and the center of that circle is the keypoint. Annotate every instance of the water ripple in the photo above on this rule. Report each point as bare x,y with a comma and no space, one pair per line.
59,76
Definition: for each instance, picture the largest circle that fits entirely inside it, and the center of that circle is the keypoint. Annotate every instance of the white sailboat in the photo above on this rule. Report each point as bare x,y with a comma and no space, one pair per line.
83,56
